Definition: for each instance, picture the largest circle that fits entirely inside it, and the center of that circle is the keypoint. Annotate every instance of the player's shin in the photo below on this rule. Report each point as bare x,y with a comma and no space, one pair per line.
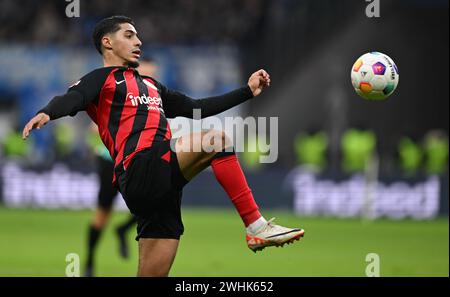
229,174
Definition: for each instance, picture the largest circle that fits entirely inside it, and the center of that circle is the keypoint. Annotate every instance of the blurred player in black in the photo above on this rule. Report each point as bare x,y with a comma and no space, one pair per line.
107,192
150,167
105,200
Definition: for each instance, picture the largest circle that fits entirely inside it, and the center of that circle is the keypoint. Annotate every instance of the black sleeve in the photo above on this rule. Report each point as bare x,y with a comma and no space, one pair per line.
78,96
67,104
177,104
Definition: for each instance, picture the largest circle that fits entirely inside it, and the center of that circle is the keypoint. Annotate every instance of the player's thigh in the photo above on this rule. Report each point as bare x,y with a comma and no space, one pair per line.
195,151
156,256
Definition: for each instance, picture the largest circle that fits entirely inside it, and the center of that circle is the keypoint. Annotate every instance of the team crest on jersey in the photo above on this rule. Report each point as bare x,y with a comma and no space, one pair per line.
75,84
150,84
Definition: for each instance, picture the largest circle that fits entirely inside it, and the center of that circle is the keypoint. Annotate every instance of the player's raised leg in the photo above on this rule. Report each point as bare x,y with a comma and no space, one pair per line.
197,151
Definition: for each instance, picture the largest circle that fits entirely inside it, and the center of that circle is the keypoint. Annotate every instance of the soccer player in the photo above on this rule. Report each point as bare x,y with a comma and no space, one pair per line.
107,192
131,112
105,199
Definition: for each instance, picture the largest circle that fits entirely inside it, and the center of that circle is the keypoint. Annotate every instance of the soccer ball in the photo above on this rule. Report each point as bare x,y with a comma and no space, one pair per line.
374,76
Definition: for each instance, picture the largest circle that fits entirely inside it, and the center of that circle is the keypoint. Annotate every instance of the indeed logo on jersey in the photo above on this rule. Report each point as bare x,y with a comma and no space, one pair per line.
153,103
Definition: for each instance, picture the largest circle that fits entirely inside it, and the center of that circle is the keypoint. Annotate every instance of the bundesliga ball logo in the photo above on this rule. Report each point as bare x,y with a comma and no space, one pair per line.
374,76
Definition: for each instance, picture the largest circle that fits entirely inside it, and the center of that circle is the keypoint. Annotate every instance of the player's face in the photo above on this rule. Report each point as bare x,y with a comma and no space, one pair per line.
126,44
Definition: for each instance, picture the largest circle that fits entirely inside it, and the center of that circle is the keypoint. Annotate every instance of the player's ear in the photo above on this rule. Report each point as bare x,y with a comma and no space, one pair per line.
106,42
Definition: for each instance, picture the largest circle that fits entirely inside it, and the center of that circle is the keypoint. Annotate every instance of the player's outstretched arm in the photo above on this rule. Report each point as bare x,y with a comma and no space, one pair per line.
35,123
77,98
60,106
178,104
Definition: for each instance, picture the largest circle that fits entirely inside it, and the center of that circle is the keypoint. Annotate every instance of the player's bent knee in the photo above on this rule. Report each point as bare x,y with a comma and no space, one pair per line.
215,141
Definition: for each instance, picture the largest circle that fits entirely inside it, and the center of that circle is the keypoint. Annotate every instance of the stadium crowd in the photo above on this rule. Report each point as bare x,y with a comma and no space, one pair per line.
190,23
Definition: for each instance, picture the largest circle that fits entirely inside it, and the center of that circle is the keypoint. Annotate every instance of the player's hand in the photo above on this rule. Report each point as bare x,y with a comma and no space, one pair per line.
258,81
35,123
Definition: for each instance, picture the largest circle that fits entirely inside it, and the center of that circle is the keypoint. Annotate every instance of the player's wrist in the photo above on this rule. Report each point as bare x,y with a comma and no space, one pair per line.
44,113
249,91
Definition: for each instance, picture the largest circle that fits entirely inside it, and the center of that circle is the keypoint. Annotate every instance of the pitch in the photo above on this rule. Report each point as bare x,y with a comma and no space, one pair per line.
36,242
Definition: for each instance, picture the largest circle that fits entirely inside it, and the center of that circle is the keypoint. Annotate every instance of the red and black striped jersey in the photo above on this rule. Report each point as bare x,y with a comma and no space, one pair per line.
128,110
131,110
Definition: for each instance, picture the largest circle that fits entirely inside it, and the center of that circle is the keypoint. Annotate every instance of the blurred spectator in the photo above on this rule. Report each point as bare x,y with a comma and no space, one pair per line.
250,157
95,143
14,147
161,22
311,150
358,147
436,152
410,156
65,143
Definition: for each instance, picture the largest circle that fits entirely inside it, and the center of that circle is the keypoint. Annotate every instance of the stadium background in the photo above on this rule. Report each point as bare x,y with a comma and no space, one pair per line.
49,184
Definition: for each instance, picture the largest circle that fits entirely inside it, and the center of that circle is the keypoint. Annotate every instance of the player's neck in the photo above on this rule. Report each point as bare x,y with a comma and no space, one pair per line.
110,61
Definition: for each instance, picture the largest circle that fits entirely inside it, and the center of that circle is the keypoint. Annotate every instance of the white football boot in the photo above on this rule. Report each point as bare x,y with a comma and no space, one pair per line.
272,235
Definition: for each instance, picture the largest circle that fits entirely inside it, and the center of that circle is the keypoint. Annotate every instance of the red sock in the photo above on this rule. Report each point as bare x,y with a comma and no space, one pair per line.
229,174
